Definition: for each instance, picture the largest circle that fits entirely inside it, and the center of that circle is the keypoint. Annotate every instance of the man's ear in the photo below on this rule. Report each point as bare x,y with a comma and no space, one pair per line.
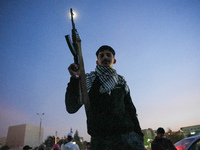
97,62
114,61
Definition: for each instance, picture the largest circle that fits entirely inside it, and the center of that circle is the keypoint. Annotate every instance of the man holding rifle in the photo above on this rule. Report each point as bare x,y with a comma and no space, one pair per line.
111,116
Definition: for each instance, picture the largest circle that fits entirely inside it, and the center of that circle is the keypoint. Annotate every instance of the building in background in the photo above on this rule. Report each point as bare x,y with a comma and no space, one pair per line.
191,130
24,134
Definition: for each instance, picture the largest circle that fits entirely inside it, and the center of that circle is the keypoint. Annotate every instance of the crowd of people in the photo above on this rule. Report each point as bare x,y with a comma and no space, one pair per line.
159,143
70,145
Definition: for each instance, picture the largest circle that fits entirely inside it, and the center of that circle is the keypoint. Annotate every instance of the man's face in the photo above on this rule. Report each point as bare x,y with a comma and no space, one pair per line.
160,135
106,59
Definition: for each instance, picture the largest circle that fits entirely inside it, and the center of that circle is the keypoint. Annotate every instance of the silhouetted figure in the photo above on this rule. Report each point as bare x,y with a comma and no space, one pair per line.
42,147
162,143
111,119
87,146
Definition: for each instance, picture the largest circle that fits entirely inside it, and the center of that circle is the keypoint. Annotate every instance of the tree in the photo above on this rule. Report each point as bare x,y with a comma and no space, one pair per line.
76,136
62,141
77,140
174,136
50,141
147,142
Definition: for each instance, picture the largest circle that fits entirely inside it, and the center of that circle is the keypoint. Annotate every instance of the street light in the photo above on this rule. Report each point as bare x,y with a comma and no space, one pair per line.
40,127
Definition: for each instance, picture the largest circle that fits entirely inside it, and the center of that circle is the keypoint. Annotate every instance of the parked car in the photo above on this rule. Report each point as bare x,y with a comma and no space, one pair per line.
189,143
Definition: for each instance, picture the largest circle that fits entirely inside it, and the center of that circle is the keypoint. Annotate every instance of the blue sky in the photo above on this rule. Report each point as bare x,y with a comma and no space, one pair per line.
157,50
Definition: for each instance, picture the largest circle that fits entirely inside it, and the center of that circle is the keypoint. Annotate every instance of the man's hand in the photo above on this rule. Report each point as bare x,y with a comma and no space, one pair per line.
74,70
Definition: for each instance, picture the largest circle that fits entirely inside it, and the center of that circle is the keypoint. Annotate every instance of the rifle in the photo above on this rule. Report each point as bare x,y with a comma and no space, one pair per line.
75,48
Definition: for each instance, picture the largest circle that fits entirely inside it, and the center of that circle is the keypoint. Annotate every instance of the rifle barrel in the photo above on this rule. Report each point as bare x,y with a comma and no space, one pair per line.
73,24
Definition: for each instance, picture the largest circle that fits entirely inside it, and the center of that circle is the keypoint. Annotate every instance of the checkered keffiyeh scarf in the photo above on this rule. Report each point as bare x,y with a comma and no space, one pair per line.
108,78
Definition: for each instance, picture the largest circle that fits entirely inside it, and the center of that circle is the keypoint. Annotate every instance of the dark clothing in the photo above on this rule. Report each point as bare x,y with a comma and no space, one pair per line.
127,141
162,144
109,115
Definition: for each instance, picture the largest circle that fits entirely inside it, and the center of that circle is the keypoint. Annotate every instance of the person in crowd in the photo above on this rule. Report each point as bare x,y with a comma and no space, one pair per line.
56,147
42,147
111,119
70,145
161,142
27,147
87,146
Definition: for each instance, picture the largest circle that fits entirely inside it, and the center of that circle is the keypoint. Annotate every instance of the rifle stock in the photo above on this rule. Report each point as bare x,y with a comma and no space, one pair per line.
76,51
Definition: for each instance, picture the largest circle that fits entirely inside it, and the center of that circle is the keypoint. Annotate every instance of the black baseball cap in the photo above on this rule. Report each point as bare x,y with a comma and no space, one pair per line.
105,47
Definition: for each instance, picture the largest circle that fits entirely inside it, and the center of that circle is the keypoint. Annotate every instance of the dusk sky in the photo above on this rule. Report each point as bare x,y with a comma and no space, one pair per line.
157,44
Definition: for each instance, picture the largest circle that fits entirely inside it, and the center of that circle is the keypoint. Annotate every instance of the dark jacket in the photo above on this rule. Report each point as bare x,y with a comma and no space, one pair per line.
108,114
162,144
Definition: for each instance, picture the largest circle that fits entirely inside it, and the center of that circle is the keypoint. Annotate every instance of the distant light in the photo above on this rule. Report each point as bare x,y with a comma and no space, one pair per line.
192,133
74,16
